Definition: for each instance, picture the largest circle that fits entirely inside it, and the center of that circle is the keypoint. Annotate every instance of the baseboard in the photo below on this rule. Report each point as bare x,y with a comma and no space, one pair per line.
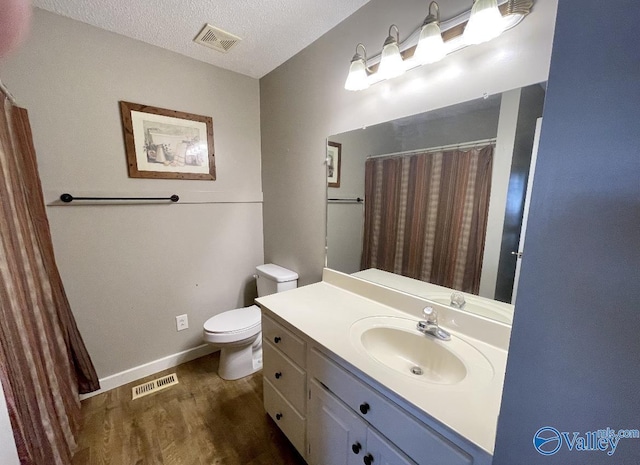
135,373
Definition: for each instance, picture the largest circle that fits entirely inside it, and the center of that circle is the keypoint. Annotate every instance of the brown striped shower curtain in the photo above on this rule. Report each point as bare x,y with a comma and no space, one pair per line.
43,361
426,215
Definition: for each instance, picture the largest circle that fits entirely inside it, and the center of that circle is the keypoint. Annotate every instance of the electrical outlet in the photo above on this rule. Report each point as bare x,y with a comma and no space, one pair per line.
182,322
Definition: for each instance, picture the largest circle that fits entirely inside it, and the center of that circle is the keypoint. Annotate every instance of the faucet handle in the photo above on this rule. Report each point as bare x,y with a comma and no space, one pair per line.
457,300
431,315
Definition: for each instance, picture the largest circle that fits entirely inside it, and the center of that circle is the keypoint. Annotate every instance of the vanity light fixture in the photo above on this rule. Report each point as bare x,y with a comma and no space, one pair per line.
358,78
430,45
433,40
485,23
391,64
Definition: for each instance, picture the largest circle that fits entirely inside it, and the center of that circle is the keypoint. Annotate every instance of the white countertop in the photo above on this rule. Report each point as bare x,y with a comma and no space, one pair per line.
325,312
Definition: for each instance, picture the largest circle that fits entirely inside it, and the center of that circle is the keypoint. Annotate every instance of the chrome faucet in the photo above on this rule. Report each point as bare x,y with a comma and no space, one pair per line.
457,300
430,325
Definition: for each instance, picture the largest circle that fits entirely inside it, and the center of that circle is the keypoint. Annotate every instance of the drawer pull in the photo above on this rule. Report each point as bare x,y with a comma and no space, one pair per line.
364,408
278,375
356,448
278,416
368,459
277,339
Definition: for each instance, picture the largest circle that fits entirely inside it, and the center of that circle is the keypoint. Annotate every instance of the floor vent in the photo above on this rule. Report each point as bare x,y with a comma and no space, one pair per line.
217,39
154,386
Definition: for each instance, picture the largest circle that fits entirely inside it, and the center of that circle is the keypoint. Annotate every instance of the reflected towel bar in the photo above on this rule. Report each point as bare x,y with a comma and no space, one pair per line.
356,200
67,198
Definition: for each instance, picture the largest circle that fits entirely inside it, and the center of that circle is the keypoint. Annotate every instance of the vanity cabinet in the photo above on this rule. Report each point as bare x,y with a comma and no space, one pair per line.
337,436
335,415
418,442
285,380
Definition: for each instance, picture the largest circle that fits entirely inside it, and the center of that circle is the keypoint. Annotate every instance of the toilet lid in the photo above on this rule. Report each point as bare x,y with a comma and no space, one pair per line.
234,320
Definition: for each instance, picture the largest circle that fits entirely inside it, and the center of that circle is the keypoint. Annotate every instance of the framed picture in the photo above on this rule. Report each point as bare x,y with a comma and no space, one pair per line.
167,144
334,157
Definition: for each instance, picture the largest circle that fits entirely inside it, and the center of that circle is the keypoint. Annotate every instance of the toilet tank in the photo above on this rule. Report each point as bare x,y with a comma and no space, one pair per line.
273,278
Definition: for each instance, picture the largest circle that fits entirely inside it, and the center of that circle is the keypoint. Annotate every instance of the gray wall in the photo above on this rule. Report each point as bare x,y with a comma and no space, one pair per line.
303,101
129,270
573,360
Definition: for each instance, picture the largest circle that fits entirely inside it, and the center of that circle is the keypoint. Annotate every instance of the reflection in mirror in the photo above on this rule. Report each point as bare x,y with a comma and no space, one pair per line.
443,200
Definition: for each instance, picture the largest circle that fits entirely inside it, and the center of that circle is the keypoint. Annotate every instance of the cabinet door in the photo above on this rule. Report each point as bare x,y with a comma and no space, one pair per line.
335,435
383,452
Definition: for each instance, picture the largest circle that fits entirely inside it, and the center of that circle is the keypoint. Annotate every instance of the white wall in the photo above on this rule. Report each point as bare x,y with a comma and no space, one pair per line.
303,101
129,270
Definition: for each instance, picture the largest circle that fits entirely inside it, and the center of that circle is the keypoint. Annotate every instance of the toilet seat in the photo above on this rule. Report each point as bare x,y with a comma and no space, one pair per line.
233,325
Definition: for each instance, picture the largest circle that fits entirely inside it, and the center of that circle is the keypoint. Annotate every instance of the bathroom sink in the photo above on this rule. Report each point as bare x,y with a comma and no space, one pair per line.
395,343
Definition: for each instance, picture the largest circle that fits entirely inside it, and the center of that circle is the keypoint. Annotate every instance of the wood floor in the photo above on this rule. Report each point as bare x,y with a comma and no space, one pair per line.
201,421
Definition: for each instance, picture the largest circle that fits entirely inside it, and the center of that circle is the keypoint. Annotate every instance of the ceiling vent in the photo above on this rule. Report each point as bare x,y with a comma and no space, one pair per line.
216,39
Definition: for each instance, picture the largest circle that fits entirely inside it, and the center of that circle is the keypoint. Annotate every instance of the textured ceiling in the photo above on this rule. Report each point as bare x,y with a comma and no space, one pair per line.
272,31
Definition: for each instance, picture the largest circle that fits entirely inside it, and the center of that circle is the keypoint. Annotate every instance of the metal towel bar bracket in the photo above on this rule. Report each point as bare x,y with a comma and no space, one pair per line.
67,198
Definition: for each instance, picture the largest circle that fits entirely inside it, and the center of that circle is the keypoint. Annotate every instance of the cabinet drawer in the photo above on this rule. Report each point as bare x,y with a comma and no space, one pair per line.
414,438
288,420
284,375
284,340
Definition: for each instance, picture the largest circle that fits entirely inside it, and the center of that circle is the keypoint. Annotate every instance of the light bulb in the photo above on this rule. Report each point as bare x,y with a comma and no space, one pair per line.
430,45
485,23
391,64
357,78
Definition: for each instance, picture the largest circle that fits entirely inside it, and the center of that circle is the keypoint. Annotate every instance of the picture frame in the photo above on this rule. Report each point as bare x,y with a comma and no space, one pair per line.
334,160
167,144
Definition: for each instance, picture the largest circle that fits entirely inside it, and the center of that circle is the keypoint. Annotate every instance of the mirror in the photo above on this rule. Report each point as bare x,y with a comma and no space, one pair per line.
508,123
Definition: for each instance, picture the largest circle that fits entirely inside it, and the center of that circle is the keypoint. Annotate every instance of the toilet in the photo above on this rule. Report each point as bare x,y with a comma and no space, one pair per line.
238,333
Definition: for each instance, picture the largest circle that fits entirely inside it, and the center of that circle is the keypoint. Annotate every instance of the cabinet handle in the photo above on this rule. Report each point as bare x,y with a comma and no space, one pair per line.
277,339
278,375
356,448
364,408
368,459
278,416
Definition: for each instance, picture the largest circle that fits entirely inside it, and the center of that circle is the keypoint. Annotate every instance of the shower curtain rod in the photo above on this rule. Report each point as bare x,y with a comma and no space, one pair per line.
462,145
6,92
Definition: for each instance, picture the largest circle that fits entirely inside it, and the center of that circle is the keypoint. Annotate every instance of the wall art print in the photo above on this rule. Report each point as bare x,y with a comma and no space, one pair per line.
167,144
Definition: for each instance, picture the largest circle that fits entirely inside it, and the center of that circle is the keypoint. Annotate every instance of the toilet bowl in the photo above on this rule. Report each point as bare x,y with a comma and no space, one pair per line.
238,333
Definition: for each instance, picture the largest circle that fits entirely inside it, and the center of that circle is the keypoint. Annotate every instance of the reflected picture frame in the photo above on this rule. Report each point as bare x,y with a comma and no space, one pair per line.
167,144
334,159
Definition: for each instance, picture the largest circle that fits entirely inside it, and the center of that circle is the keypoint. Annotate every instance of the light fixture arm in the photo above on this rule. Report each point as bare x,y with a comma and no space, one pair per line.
431,17
362,57
390,38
